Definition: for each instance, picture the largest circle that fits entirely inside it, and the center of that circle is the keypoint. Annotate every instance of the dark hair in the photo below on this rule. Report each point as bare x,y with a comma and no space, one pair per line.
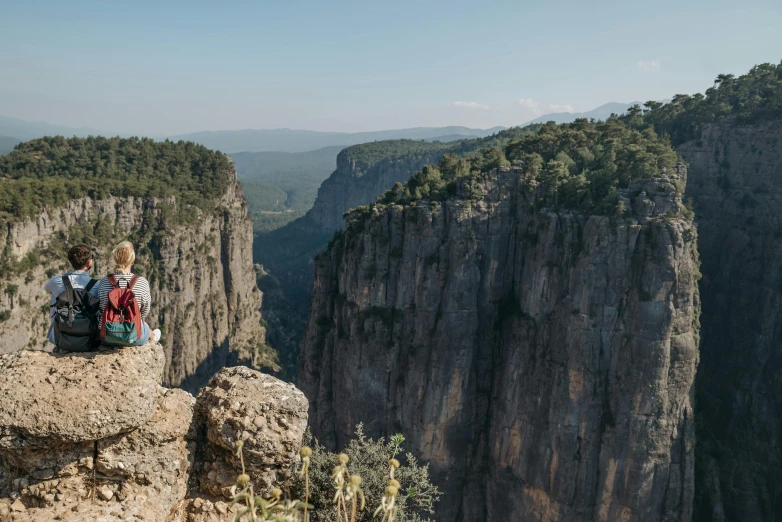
79,256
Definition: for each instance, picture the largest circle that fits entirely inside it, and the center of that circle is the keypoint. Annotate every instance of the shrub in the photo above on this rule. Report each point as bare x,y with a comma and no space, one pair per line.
364,481
369,459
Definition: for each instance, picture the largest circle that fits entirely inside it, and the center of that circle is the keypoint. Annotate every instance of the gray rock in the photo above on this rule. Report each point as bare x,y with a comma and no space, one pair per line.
355,183
98,394
541,361
736,183
228,409
207,262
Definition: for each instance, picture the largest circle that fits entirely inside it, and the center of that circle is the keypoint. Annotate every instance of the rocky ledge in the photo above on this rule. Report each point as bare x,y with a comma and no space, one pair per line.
95,437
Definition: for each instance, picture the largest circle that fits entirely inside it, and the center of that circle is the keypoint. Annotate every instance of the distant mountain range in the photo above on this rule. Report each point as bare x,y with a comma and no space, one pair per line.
291,140
13,131
600,113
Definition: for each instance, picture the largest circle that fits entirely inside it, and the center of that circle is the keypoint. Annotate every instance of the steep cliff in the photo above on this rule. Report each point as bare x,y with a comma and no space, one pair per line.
735,180
362,175
198,262
541,360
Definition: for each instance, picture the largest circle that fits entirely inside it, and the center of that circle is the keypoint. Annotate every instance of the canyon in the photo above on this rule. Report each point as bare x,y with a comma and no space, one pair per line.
206,300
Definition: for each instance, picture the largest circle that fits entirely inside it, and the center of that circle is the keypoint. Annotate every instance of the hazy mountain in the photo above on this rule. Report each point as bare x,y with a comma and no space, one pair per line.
28,130
7,144
291,140
600,113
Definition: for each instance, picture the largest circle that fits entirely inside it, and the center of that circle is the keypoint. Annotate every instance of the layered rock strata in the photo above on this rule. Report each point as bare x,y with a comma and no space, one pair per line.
203,284
736,185
542,361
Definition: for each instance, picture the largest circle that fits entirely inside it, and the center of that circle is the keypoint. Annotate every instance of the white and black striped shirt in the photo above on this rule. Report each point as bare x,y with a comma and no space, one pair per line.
141,289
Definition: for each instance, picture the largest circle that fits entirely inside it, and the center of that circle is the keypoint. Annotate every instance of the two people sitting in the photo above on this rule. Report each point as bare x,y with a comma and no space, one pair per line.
86,312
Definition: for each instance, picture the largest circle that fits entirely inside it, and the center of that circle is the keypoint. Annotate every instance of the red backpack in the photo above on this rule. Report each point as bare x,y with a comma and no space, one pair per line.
121,324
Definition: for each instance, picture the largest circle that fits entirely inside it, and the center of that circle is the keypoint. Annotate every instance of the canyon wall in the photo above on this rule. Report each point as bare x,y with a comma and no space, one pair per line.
359,182
735,180
542,361
204,295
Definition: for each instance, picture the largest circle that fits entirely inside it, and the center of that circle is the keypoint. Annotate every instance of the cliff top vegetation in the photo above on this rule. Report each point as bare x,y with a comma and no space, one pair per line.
750,98
48,172
367,155
581,164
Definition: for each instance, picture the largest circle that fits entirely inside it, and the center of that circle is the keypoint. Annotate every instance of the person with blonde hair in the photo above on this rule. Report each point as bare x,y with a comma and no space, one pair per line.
125,301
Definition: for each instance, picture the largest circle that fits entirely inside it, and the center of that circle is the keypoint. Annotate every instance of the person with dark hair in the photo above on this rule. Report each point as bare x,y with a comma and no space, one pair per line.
79,280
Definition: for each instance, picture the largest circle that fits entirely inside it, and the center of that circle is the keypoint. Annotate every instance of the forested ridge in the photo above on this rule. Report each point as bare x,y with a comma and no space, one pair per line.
750,98
51,171
581,164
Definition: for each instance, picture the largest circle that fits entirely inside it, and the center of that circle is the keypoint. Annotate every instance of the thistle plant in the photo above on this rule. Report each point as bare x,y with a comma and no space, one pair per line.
256,508
354,494
388,502
305,452
370,459
338,475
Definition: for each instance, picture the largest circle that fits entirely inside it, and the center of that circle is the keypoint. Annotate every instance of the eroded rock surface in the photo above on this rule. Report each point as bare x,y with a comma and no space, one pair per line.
93,436
736,184
269,415
45,398
541,361
135,459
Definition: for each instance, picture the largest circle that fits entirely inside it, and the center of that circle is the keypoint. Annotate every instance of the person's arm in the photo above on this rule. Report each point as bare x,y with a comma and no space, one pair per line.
145,303
50,285
95,290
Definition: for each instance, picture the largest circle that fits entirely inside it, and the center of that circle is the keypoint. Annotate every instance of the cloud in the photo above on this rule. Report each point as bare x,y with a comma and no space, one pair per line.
553,107
648,65
470,105
530,105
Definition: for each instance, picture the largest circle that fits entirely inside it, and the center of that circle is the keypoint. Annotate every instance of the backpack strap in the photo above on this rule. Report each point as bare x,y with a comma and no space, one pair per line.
71,297
132,281
66,281
113,281
90,285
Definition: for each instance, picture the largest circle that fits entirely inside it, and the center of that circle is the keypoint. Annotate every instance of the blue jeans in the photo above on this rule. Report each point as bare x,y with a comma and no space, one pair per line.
144,335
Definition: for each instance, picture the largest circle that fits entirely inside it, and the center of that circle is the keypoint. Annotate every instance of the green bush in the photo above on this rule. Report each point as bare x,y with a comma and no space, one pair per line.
369,459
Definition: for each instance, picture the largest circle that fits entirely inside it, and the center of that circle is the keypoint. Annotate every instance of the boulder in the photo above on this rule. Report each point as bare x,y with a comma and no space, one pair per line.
95,437
269,415
132,464
47,398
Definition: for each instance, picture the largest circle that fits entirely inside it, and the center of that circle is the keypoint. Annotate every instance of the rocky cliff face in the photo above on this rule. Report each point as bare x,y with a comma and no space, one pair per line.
94,437
541,361
736,184
203,284
357,183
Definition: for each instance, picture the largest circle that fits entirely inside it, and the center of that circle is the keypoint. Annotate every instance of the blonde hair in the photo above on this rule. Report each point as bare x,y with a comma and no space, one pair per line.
123,255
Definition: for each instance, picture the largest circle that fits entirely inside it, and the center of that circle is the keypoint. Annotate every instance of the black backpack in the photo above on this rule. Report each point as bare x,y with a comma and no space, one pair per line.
76,318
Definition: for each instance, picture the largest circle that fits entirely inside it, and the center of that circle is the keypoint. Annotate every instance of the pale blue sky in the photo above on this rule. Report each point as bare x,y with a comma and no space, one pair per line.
171,67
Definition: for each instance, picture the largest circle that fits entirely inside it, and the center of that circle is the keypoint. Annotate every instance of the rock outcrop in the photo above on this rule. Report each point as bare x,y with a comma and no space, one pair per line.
541,361
269,415
94,437
204,294
736,184
358,182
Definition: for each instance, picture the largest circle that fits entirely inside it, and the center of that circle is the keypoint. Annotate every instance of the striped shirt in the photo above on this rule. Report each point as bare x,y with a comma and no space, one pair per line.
141,289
